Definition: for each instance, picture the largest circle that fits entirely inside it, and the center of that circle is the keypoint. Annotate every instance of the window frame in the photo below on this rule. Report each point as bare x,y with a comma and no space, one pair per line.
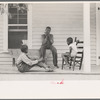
5,29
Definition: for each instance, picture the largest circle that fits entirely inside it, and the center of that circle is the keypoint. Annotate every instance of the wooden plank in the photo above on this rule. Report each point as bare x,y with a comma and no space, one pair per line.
93,32
5,63
5,59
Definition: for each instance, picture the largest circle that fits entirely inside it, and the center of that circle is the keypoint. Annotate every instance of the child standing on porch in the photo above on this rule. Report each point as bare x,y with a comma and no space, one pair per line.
24,63
72,50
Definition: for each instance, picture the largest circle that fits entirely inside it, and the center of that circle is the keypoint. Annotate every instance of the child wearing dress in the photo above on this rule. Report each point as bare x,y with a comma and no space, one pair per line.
24,63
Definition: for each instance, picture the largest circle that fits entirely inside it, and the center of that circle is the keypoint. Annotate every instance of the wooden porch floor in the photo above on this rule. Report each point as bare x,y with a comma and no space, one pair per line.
7,69
9,73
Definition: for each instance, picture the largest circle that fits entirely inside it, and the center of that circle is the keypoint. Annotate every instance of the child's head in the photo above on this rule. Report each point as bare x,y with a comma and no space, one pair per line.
69,40
47,30
24,48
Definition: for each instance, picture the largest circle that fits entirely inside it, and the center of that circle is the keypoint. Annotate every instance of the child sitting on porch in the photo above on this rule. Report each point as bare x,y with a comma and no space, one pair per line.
72,50
24,63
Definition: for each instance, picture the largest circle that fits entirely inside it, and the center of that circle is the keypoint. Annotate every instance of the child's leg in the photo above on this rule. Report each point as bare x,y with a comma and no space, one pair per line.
23,67
46,67
41,64
65,56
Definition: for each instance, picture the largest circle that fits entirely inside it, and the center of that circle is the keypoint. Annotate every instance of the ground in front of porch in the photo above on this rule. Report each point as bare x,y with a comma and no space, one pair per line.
36,73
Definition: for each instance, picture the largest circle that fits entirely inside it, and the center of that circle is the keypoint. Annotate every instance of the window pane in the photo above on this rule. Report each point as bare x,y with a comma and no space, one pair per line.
22,21
13,10
12,21
23,16
13,27
15,39
22,27
14,16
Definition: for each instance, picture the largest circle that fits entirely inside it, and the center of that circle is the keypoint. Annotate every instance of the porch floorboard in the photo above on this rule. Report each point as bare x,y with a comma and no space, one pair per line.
37,70
37,74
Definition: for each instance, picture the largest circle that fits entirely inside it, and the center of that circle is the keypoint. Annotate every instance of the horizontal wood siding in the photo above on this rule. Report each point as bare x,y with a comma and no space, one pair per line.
5,59
1,32
66,20
93,32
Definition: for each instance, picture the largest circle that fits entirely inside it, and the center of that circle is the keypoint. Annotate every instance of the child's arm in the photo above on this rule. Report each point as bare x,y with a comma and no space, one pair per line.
52,40
70,50
44,39
77,42
28,61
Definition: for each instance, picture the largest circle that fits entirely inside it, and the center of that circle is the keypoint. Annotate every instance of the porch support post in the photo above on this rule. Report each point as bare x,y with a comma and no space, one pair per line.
97,34
86,31
30,26
5,30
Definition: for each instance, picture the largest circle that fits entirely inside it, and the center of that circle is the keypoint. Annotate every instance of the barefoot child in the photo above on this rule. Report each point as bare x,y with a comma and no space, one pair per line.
24,63
72,50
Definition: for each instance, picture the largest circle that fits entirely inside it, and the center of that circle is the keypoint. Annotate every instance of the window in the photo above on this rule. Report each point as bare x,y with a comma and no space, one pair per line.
17,25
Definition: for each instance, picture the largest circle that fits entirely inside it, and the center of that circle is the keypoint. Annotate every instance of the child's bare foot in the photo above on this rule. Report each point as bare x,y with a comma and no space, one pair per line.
48,70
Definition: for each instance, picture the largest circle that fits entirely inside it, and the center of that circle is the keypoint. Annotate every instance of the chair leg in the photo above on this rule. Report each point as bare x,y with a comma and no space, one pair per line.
73,64
80,65
70,63
81,62
62,63
13,61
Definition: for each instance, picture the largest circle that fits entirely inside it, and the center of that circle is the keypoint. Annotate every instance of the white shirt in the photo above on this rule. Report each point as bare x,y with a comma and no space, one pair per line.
23,57
74,49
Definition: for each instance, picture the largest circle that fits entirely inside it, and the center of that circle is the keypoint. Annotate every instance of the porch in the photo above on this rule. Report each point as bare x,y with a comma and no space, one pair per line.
8,69
36,73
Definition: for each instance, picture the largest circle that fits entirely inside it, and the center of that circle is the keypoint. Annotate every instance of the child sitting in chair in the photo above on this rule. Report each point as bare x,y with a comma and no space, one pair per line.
72,51
24,63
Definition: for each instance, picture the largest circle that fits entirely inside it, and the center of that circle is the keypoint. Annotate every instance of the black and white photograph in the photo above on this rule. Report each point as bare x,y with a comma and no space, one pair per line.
49,41
49,49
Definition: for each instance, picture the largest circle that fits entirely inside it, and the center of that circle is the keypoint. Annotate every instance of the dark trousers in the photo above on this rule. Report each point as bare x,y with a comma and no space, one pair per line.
54,53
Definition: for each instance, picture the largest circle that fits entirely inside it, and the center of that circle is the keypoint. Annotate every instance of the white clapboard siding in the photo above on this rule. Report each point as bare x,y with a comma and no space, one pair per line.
5,59
66,20
93,32
1,32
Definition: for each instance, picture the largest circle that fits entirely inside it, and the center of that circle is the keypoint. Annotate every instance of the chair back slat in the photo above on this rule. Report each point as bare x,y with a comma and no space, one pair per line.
80,47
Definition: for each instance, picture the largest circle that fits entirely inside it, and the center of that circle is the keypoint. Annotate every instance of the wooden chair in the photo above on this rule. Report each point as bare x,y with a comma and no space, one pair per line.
78,59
